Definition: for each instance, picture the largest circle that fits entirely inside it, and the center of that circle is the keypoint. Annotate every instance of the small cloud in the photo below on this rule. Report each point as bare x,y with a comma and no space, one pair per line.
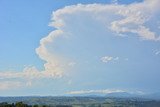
71,64
116,58
157,52
107,59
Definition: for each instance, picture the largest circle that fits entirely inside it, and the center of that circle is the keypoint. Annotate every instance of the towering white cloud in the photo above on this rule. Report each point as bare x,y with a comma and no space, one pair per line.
117,18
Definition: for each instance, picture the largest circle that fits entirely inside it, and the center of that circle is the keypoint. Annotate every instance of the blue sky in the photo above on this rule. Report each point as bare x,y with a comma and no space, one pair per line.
59,47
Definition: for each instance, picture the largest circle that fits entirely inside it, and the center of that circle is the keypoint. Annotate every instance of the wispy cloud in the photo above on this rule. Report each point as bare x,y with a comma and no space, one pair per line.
114,1
104,91
116,58
106,59
157,52
135,16
6,85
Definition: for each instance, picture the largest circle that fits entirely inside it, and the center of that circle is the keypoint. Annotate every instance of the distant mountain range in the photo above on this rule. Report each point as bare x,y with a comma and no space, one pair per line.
113,94
121,95
154,96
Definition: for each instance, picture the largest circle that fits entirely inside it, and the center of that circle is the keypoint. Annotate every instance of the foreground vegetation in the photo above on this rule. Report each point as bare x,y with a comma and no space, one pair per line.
21,104
79,102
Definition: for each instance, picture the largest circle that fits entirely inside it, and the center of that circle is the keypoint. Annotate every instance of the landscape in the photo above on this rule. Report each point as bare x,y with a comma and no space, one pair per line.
79,53
79,101
117,99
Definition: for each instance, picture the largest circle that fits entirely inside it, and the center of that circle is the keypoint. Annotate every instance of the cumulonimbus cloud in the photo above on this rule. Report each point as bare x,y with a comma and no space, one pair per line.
117,18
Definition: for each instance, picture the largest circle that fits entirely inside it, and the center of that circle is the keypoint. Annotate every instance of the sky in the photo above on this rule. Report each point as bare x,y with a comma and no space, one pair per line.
70,47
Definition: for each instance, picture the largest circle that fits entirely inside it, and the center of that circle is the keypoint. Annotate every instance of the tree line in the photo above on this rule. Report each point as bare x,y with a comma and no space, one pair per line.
21,104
